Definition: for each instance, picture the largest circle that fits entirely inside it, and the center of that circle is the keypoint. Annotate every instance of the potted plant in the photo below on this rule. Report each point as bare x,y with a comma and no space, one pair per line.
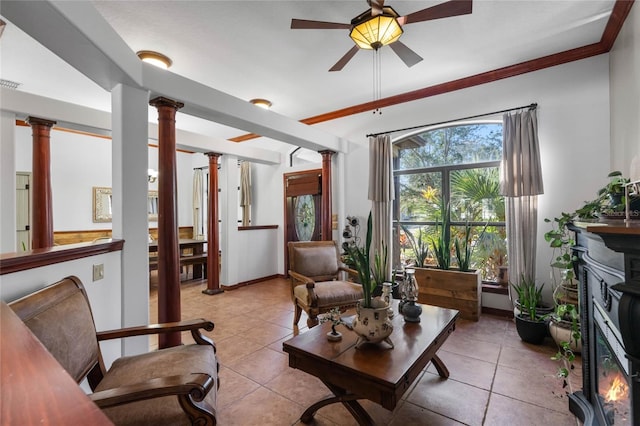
531,323
446,287
371,323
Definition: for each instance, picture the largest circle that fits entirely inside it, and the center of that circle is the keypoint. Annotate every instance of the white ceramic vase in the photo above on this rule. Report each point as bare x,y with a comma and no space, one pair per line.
372,325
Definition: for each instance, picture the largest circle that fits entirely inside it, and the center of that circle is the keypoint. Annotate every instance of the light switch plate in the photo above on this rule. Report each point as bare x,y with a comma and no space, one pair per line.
98,272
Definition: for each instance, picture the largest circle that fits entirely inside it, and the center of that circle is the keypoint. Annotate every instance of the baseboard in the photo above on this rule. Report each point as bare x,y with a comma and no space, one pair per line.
250,282
497,312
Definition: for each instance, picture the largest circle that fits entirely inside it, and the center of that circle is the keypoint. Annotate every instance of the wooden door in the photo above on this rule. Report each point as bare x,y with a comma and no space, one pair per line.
303,201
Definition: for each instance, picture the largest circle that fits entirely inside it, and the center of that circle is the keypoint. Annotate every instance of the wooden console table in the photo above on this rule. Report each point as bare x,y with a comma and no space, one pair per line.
373,371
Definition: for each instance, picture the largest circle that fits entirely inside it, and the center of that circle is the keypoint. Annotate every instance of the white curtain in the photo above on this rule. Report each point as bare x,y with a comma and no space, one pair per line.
381,192
198,208
245,192
521,183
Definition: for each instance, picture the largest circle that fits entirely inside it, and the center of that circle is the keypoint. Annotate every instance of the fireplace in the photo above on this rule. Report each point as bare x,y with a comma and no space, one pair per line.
610,321
612,390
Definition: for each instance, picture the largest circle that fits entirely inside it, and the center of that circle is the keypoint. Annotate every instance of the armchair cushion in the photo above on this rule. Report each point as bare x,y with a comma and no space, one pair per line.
130,370
320,263
330,293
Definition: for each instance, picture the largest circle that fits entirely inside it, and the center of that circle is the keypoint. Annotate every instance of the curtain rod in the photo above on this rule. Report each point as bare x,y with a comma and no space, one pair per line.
530,106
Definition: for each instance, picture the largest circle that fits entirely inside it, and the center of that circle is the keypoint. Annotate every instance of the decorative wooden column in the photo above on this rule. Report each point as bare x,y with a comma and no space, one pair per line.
213,232
168,237
42,228
325,213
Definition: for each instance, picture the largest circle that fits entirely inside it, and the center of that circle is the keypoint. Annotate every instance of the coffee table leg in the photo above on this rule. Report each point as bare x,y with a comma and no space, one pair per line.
442,369
348,399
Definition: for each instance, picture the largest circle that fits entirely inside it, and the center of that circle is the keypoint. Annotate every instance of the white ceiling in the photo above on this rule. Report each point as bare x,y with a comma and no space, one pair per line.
247,49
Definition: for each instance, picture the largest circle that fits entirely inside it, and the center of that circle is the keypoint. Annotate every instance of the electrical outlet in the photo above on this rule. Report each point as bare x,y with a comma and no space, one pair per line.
98,272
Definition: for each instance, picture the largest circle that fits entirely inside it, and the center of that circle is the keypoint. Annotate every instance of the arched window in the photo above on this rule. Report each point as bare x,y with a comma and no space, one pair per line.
454,166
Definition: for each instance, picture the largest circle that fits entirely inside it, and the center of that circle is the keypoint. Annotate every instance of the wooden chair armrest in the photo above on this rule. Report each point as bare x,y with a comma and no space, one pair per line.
301,279
196,385
193,325
349,271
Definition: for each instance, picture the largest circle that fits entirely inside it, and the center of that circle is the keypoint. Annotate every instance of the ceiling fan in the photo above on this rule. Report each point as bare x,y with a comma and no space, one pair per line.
381,25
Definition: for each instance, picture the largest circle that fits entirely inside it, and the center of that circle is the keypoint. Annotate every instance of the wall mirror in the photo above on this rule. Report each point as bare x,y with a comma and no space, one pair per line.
102,202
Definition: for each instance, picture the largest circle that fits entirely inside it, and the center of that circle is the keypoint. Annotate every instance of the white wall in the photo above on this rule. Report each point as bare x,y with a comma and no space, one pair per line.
104,295
573,112
625,97
80,162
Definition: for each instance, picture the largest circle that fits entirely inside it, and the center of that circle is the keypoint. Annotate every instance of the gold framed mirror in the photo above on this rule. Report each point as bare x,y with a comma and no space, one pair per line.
102,205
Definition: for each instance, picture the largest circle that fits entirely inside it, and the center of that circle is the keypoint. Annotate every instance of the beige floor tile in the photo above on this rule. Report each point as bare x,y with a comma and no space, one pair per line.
449,398
261,366
466,369
261,407
504,411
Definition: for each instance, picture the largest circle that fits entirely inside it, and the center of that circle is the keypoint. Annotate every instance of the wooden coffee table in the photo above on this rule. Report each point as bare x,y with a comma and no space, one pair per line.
373,371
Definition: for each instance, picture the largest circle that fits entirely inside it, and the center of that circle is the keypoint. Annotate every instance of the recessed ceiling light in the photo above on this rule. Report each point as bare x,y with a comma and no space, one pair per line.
155,58
262,103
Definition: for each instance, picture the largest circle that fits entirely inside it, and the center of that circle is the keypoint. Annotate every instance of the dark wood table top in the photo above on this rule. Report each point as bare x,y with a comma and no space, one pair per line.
36,390
373,371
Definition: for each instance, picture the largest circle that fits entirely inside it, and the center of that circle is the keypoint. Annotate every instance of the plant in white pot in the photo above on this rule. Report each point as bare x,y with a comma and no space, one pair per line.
371,323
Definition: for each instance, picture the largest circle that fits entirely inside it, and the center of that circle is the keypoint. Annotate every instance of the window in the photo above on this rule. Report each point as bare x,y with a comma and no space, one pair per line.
456,166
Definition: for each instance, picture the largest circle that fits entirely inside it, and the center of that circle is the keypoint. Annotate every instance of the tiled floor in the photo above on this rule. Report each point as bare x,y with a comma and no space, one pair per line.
496,379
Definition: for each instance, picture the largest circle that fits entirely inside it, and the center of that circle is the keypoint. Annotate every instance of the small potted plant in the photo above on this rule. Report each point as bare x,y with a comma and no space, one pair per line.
334,317
530,317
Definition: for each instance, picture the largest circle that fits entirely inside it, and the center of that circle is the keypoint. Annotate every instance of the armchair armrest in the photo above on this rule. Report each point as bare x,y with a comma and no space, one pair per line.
196,386
193,325
349,271
301,279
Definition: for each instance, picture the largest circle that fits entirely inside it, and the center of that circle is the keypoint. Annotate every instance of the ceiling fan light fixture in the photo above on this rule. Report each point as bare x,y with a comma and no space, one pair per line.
262,103
155,58
373,32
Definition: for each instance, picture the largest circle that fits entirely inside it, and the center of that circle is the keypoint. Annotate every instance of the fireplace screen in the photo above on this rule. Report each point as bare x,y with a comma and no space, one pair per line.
613,388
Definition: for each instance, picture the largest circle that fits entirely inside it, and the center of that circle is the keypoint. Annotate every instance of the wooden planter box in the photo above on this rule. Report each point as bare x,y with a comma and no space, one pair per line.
451,289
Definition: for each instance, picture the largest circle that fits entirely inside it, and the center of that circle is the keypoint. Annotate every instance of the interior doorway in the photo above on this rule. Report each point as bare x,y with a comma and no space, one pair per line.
303,202
23,211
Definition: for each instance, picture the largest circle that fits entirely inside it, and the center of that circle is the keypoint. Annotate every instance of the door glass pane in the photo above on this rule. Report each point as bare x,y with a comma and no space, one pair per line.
305,217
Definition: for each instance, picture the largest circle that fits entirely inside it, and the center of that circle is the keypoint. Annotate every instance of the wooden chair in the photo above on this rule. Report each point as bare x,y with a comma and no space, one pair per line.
317,284
173,386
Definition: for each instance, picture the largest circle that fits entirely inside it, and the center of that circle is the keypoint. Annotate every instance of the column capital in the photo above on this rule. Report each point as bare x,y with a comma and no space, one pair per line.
327,152
31,120
161,101
213,155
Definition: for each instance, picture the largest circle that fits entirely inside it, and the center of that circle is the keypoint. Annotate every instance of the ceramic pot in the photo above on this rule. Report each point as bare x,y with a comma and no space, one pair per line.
372,325
561,332
530,331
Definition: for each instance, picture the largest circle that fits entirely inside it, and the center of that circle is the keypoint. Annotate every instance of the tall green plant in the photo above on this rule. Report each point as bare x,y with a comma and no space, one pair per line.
418,245
441,244
362,264
379,268
529,296
464,249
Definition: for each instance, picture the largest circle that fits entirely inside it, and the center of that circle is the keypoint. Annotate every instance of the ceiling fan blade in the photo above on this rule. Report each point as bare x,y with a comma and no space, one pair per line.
442,10
346,58
408,56
303,24
376,7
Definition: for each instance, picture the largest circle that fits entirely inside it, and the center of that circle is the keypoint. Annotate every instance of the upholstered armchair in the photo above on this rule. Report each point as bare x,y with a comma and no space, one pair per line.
173,386
319,280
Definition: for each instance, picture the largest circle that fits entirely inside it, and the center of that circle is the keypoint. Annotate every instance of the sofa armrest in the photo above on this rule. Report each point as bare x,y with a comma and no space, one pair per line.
193,325
196,386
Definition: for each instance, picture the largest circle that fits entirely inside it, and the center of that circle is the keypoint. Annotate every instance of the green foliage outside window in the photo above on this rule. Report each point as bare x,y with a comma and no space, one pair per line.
455,166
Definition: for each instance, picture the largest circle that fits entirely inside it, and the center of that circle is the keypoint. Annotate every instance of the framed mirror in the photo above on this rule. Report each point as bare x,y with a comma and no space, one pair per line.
103,199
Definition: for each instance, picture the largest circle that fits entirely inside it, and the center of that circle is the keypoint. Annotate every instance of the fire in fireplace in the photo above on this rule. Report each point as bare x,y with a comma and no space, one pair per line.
613,389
